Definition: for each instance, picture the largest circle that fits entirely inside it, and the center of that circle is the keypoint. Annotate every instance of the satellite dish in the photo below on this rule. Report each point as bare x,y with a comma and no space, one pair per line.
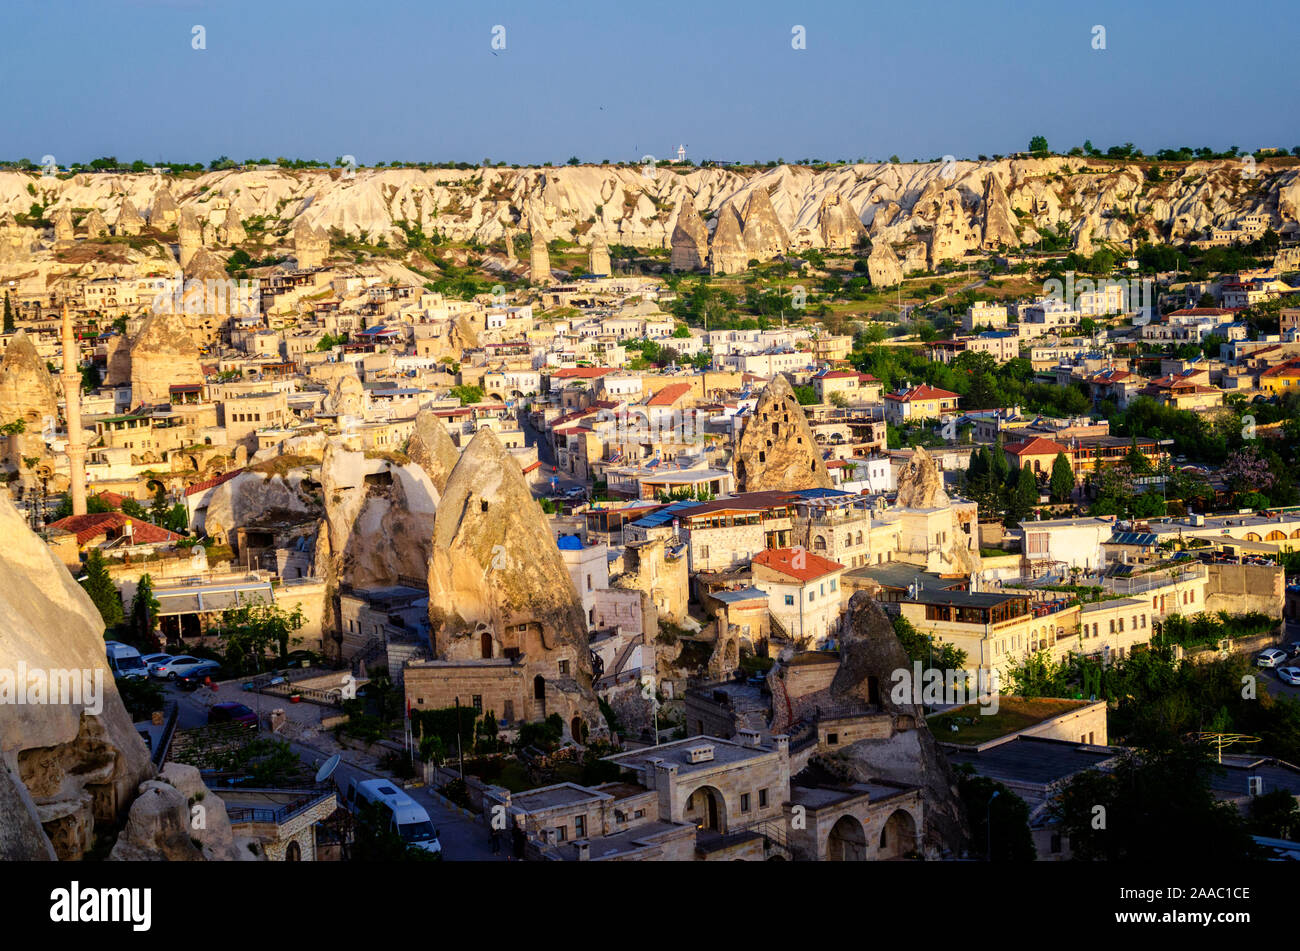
328,767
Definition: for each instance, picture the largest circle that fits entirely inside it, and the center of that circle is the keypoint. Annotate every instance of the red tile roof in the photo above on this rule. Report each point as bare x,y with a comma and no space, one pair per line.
808,568
922,392
580,373
212,483
669,395
1289,368
1038,446
88,527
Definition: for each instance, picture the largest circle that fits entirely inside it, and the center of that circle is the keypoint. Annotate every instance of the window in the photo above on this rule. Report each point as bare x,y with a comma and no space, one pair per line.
561,833
704,551
762,798
1112,625
588,582
564,668
811,595
579,826
744,802
833,585
789,600
638,814
831,740
478,703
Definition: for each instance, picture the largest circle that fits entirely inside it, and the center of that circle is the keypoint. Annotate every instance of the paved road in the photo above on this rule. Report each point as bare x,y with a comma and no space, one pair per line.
463,839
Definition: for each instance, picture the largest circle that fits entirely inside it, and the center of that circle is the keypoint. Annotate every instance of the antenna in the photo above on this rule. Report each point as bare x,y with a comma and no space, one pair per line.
328,767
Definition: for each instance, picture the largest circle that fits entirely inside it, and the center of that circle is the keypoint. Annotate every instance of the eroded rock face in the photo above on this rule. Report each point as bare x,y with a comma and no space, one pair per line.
765,236
28,395
870,653
920,484
158,828
690,241
95,225
727,252
839,225
495,571
347,396
163,353
776,449
216,840
379,519
430,447
258,499
883,267
128,221
999,221
75,766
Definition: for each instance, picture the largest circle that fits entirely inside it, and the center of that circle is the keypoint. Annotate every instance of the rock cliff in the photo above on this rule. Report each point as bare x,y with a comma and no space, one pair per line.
776,448
70,764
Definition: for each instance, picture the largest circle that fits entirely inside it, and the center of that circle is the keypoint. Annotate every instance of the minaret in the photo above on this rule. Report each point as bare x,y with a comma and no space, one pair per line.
72,411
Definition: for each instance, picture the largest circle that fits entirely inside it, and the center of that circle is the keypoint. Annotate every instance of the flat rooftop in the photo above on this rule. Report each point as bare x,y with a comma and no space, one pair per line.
725,753
1032,760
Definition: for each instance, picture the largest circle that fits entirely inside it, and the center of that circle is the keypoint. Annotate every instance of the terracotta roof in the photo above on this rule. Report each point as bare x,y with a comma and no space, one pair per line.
1289,368
212,483
1201,312
669,395
1038,446
809,567
88,527
922,392
580,373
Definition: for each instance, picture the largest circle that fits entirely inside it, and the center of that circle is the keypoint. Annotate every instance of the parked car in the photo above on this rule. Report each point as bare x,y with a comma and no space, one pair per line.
1292,649
1270,657
1289,675
124,660
153,660
178,667
405,816
210,670
231,712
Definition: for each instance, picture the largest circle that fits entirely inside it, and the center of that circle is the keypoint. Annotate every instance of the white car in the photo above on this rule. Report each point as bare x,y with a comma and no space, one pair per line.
176,667
1270,657
1289,675
153,660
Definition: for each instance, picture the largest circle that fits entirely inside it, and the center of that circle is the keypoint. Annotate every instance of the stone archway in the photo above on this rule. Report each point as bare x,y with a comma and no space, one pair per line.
707,808
847,841
898,836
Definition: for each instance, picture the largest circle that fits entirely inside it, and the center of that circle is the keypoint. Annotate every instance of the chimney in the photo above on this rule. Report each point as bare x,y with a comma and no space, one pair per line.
748,738
583,848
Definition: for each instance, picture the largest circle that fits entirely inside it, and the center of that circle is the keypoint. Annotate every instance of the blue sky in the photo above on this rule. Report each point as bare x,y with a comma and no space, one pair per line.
416,81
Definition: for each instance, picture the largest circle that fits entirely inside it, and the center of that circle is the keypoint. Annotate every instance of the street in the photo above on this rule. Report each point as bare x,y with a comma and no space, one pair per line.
463,839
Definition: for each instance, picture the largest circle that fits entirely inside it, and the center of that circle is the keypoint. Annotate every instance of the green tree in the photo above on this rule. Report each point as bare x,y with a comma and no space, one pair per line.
9,315
101,589
999,819
251,630
1141,811
144,609
468,394
1038,145
1062,483
159,510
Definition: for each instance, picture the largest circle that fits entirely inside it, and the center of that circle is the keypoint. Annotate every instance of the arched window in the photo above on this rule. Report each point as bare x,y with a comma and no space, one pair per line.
819,543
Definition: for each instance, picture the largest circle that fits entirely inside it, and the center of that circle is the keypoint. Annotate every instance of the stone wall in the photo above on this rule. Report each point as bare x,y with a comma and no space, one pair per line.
1241,589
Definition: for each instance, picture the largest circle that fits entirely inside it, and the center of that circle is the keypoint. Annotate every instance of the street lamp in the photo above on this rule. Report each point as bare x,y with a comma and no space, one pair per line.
988,826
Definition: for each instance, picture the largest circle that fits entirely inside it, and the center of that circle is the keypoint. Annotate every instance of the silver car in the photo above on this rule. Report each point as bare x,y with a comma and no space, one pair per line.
1270,657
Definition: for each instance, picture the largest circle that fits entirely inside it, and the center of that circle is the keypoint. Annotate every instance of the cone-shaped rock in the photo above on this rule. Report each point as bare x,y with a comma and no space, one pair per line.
498,588
870,657
765,236
431,448
999,222
27,390
96,226
162,354
727,254
838,223
690,240
883,267
776,448
128,221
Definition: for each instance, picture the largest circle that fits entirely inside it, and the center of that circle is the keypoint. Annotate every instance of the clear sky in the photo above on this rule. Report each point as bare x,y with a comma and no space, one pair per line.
388,80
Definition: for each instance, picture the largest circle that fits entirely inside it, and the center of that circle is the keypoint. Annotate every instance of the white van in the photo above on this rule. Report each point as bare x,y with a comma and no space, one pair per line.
124,660
409,820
